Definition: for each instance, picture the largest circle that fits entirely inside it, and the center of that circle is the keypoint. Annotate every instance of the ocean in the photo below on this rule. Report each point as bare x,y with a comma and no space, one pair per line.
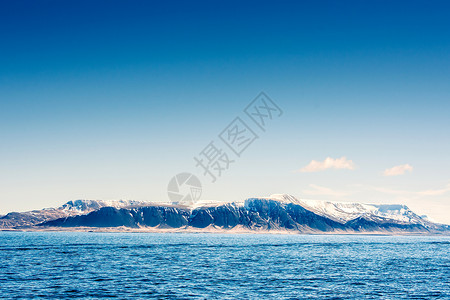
63,265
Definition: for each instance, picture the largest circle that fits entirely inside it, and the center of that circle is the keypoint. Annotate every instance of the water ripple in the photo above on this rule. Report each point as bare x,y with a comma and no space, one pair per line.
215,266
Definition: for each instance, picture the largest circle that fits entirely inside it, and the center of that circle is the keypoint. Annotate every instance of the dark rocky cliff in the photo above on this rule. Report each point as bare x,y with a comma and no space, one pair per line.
256,214
152,216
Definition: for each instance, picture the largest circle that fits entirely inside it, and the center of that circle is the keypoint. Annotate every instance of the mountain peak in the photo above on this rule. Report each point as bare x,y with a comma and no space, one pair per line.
277,211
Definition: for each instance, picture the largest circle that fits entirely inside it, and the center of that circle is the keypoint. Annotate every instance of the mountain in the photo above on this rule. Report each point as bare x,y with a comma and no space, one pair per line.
71,208
344,212
276,213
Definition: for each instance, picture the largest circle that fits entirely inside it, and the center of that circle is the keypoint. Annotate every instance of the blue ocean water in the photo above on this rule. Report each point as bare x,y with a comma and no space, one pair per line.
223,266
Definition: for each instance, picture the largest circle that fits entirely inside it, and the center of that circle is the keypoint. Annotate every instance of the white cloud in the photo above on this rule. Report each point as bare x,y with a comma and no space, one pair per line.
329,163
398,170
410,194
321,190
436,192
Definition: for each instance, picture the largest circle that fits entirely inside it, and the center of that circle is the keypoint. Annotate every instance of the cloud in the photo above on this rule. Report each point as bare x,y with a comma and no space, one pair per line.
409,193
436,192
329,163
398,170
321,190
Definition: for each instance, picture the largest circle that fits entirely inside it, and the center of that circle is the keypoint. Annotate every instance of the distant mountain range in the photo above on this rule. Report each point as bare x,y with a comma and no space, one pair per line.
277,213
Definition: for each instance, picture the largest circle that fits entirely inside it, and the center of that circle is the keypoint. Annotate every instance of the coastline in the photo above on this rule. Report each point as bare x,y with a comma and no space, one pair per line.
123,229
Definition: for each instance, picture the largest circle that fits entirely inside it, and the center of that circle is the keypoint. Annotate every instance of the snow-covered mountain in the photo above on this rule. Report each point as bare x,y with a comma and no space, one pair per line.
83,206
280,212
346,211
71,208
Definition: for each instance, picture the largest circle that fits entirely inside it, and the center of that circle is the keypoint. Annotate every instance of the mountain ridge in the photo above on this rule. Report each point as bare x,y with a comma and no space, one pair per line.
279,212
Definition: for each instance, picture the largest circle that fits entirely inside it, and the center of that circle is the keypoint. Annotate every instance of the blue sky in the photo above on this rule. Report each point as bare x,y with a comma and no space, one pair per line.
109,99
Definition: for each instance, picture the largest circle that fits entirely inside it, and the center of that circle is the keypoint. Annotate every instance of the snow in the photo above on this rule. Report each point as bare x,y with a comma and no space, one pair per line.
339,211
83,206
346,211
214,203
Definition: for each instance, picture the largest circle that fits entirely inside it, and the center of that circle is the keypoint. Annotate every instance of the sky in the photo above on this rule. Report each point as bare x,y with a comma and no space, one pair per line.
112,99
